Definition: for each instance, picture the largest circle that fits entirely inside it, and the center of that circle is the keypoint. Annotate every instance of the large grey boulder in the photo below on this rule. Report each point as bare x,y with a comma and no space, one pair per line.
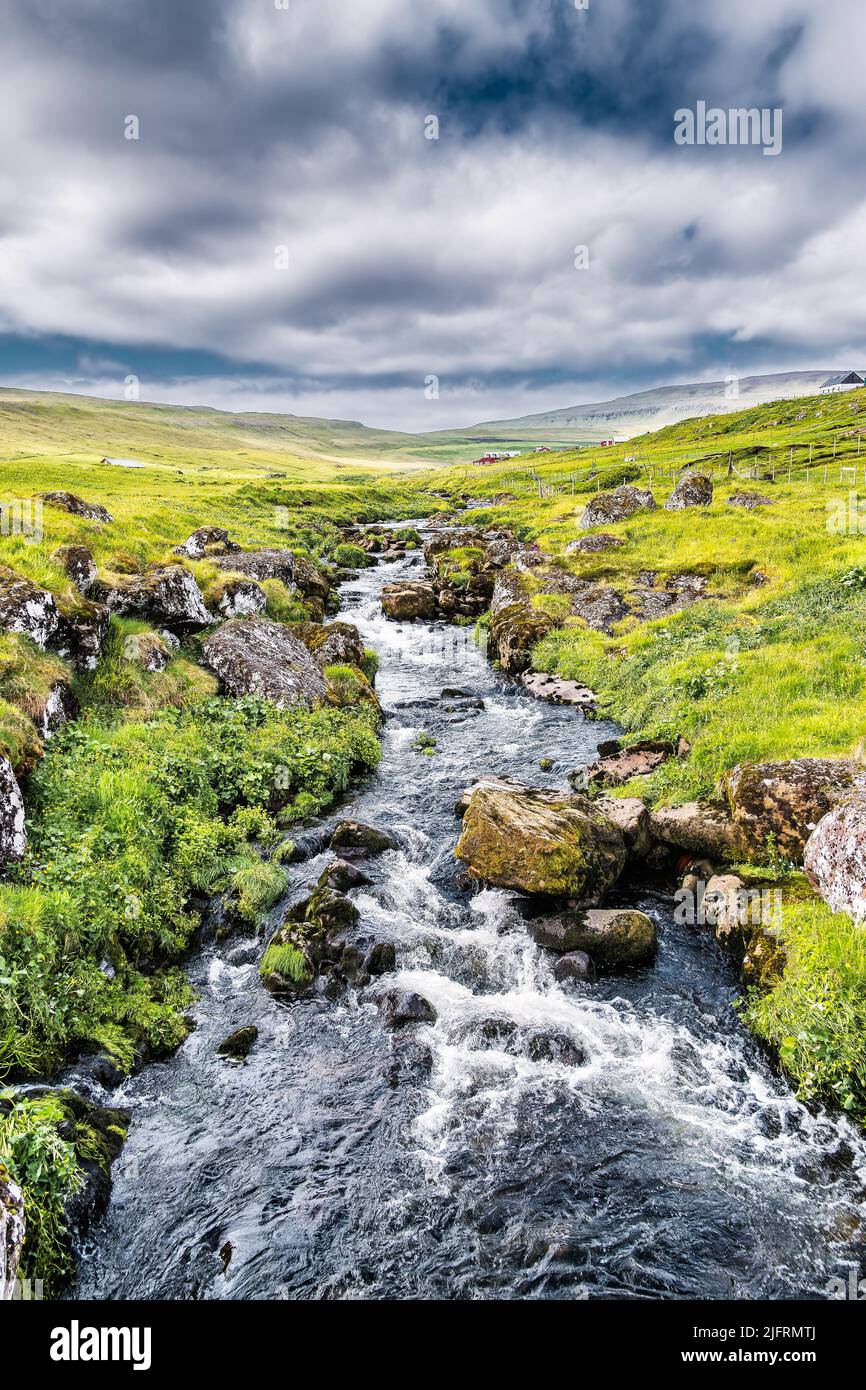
692,491
167,596
782,802
594,545
295,571
600,607
241,598
255,656
750,500
68,502
699,827
13,836
835,858
207,539
27,608
608,507
260,564
633,819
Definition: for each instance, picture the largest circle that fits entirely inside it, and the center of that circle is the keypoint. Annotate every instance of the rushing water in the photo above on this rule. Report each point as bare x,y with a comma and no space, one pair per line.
672,1162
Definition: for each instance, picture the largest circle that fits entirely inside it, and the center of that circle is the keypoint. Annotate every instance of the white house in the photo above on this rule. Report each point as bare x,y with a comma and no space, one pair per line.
845,381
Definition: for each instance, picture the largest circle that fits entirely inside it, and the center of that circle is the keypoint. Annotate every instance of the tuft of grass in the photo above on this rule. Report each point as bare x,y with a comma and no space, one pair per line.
288,960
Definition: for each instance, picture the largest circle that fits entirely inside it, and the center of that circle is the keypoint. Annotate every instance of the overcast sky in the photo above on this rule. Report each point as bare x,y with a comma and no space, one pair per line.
305,126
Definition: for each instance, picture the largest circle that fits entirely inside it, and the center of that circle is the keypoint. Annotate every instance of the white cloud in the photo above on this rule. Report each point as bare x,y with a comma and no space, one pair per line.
409,257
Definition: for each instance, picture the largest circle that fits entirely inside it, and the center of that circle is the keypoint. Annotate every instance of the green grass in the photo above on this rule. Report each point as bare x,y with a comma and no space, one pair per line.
815,1017
129,822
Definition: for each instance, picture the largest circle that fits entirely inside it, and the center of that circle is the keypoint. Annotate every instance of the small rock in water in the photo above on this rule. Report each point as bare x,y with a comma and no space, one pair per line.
555,1047
239,1043
410,1061
341,876
610,936
401,1006
574,965
352,836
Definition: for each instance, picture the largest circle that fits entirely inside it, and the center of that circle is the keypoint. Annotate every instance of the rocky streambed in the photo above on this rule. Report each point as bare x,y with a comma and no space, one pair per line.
522,1131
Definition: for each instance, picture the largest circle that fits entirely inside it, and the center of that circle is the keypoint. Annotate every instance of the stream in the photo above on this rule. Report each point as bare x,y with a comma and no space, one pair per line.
341,1162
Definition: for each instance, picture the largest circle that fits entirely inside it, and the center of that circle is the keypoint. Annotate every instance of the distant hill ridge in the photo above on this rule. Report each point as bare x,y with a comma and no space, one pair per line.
37,421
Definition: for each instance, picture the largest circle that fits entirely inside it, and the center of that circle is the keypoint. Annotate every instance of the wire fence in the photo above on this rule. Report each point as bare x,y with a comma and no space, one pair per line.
836,464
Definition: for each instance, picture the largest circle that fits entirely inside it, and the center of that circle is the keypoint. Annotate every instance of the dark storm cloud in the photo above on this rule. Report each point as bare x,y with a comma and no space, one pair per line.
303,129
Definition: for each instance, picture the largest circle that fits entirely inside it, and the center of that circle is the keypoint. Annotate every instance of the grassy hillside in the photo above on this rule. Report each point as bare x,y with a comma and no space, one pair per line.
653,409
50,423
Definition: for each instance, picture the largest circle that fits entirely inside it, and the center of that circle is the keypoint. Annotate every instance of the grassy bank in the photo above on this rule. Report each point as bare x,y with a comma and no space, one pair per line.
770,665
161,795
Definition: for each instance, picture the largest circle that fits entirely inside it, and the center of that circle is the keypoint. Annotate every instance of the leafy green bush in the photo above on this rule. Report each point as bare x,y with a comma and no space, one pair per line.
45,1166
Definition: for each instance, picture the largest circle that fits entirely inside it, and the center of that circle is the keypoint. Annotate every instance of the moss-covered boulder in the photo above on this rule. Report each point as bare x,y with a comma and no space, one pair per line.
240,598
332,644
207,540
167,596
695,490
781,803
240,1043
609,936
147,650
516,625
77,563
255,656
408,600
608,507
352,838
27,608
77,506
764,960
540,842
